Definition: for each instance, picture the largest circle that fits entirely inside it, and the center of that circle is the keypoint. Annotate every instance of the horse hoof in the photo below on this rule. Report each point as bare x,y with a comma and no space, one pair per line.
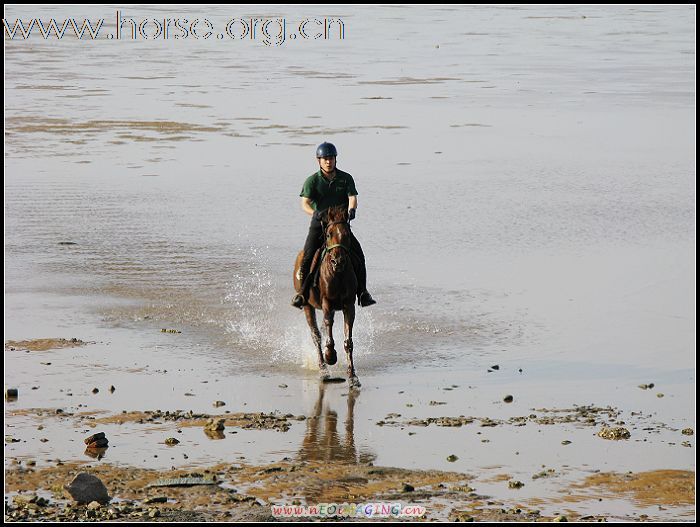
330,357
354,382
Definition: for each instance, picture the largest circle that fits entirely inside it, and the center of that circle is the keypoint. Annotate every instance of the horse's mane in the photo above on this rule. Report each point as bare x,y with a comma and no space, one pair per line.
337,213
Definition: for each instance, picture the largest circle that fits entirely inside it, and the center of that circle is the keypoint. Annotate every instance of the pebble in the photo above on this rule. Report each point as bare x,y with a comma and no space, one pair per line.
508,399
614,433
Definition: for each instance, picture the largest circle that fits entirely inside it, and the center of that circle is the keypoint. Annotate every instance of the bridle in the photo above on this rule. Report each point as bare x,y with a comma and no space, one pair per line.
328,228
328,248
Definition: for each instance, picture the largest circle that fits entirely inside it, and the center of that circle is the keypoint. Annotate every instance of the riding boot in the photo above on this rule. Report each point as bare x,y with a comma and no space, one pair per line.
364,299
301,298
314,240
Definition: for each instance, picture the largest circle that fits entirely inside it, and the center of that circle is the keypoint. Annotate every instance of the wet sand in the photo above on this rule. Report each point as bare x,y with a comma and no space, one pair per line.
332,458
246,493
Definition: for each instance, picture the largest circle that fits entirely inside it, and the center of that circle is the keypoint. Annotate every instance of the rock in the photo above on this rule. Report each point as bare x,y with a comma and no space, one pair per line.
215,425
659,395
94,437
11,393
112,389
614,433
544,474
496,367
560,519
188,481
515,484
95,390
566,442
100,443
452,458
283,386
508,399
408,488
86,488
217,404
171,441
156,499
94,505
153,513
687,431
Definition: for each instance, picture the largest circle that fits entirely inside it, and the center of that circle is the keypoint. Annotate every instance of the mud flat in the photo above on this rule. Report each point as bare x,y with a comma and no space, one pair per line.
248,492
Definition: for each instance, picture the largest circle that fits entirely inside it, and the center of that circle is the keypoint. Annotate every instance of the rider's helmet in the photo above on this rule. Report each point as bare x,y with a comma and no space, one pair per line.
326,150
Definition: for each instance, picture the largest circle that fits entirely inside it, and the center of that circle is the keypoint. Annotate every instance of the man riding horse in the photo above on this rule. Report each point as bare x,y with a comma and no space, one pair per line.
327,188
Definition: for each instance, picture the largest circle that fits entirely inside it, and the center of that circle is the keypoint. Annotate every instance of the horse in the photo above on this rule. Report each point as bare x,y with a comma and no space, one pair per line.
336,290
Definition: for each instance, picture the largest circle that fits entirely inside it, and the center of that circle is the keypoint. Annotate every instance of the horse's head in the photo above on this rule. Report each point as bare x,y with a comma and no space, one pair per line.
338,237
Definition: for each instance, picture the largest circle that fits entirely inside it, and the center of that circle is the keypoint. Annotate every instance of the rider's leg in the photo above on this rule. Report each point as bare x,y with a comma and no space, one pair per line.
314,240
363,296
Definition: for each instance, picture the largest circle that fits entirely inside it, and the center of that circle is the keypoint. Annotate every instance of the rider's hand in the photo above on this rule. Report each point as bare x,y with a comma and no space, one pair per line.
351,214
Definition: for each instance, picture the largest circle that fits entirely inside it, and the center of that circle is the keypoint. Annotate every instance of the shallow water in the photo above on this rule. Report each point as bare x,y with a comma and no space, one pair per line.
526,196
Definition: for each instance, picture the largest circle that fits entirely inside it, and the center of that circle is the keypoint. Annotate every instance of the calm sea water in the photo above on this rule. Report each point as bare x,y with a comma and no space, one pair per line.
525,177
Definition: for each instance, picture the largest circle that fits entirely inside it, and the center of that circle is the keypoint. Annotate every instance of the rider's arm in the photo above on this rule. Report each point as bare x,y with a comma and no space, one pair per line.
352,202
306,206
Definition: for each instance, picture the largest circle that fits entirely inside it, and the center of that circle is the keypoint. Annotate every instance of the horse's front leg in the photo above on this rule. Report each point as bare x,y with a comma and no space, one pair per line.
330,356
310,313
349,315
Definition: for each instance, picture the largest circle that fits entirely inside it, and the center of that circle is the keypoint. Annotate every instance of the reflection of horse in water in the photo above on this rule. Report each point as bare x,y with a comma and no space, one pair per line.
336,289
322,442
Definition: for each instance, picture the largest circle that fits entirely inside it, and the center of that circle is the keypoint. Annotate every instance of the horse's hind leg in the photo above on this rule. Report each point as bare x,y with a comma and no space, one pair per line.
310,313
349,313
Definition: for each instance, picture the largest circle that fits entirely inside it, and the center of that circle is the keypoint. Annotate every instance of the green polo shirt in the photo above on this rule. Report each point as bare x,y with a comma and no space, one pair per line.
324,193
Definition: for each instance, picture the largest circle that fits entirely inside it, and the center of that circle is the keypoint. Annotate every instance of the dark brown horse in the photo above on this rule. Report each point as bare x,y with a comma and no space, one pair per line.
336,290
